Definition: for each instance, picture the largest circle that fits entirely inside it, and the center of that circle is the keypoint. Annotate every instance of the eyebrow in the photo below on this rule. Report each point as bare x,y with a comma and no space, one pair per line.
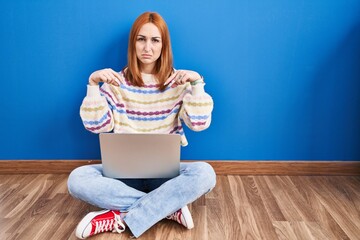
145,36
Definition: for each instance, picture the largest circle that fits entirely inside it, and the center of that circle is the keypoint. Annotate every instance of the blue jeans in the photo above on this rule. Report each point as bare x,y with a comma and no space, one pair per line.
146,201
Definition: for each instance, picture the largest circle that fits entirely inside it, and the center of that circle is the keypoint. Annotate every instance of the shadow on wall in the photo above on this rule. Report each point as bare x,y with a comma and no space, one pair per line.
336,102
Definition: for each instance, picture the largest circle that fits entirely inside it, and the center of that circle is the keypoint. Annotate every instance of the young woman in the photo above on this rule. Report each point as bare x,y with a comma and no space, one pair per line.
147,96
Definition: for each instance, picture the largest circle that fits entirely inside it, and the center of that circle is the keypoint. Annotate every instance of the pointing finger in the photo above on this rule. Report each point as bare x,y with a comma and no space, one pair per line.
171,78
117,76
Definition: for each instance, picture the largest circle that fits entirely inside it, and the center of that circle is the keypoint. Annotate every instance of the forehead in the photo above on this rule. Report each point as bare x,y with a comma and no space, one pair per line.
149,30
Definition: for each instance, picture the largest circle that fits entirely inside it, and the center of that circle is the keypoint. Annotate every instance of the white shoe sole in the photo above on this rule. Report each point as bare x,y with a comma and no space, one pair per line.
187,216
86,221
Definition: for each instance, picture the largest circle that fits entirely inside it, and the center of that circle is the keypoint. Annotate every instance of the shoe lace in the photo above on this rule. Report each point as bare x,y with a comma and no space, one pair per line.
110,224
176,216
118,223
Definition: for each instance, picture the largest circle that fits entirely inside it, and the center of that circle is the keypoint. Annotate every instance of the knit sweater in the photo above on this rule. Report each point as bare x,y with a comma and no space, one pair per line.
131,109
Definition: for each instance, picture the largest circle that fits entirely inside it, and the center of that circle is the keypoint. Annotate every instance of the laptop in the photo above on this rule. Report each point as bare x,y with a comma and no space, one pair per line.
140,156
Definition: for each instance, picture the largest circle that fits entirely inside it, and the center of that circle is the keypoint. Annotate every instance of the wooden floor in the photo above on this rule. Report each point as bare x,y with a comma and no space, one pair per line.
239,207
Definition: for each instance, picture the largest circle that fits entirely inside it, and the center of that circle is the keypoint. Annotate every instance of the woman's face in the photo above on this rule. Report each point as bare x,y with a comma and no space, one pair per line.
148,46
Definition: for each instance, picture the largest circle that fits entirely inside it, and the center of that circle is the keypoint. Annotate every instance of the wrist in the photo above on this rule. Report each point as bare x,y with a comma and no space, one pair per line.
198,81
93,91
92,83
197,90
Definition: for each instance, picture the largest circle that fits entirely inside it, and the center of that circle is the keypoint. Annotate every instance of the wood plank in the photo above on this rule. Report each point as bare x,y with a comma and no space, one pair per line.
249,228
284,230
41,166
286,167
326,222
199,214
353,190
297,201
284,201
221,167
338,206
317,231
222,221
265,226
272,207
301,230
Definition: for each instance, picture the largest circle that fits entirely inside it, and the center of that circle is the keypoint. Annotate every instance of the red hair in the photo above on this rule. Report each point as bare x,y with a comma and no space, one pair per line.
164,64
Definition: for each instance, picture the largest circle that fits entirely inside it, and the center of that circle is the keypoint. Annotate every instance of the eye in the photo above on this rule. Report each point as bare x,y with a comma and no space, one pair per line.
156,40
140,39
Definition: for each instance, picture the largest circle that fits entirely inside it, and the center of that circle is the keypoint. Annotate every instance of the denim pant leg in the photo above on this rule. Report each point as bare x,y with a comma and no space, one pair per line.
195,179
87,183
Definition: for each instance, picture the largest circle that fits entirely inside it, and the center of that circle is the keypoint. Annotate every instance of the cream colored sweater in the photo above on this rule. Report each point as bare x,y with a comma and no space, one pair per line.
132,109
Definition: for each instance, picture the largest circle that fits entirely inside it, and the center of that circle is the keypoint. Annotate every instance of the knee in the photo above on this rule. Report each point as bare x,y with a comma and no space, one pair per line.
78,177
73,181
206,175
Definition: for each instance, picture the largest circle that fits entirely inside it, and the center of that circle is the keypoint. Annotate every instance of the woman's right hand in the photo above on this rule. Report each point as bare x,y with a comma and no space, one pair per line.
106,75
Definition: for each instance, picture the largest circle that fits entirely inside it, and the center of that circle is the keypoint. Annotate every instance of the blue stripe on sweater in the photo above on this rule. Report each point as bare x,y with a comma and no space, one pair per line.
102,119
200,117
139,91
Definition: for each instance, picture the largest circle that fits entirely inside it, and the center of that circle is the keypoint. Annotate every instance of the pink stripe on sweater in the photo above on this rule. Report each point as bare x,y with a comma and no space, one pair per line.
198,123
99,127
153,113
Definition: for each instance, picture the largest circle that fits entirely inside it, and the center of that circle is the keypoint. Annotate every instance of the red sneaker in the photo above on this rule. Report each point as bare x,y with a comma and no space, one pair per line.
182,216
98,222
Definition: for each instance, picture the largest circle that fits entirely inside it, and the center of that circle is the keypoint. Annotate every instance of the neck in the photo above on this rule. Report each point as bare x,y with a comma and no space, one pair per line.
148,68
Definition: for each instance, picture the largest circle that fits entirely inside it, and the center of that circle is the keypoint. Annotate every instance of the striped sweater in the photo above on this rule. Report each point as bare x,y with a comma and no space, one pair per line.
132,109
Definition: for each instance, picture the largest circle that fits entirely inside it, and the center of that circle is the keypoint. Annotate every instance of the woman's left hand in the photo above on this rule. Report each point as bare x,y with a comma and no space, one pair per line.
181,77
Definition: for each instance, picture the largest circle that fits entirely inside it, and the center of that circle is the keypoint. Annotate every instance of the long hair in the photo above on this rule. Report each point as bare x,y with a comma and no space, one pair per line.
164,64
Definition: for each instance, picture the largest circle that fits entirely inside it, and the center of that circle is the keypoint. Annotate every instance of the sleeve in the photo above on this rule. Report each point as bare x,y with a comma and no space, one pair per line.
95,111
197,108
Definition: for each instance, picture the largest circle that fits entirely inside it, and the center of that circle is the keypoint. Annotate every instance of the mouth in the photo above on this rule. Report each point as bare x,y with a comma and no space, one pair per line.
146,55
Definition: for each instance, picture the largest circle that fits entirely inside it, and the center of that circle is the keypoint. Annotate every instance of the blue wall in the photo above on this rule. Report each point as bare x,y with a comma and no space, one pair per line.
284,75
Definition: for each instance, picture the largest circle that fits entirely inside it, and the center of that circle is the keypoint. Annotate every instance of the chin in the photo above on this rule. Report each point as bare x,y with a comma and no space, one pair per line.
147,61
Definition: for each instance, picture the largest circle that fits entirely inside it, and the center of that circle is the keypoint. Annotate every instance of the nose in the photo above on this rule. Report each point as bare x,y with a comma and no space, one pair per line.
147,46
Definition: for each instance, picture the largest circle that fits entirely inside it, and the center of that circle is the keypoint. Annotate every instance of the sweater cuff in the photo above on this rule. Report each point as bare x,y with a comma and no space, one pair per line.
197,89
93,91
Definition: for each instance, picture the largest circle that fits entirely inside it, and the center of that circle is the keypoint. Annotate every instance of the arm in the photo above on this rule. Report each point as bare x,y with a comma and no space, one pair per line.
197,108
96,111
197,104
